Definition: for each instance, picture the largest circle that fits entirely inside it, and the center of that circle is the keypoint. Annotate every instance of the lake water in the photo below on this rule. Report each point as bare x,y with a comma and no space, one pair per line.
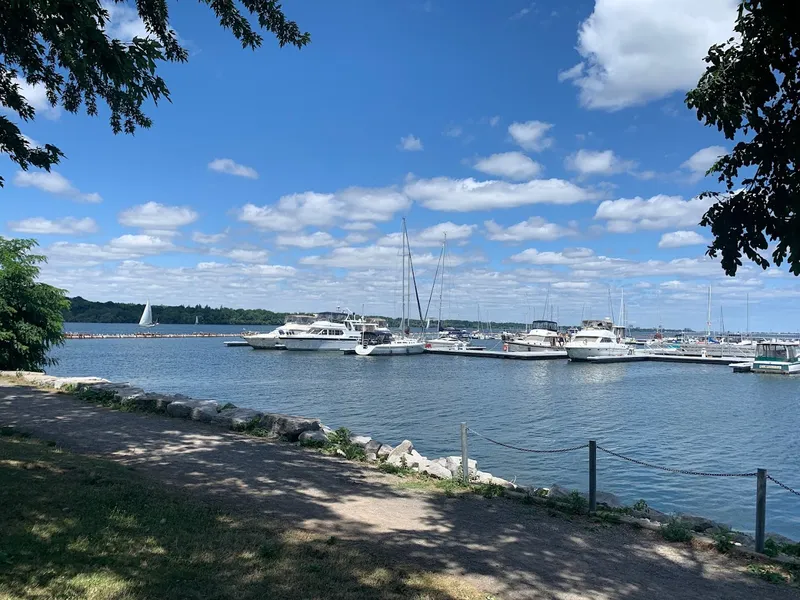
697,417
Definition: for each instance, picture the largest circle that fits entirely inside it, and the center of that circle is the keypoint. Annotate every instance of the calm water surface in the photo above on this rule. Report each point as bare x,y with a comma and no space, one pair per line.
688,416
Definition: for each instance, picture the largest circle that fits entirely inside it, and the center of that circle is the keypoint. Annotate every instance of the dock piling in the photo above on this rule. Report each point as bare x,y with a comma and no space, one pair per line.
464,458
761,508
592,475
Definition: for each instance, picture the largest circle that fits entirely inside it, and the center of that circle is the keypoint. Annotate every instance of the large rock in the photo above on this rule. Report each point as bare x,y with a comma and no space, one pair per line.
699,524
384,451
372,447
434,469
314,436
76,382
609,499
557,492
287,426
193,409
360,440
481,477
400,456
371,457
237,418
453,464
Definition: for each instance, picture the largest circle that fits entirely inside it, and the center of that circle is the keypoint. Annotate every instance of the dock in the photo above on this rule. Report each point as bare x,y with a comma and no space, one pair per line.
697,360
235,343
133,336
545,355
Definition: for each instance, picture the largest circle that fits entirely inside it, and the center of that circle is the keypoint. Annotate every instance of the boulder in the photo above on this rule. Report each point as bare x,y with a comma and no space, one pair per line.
384,451
326,429
481,477
401,454
609,499
416,461
434,469
372,447
287,426
192,409
237,418
360,440
371,457
502,483
76,382
313,436
556,491
699,524
453,464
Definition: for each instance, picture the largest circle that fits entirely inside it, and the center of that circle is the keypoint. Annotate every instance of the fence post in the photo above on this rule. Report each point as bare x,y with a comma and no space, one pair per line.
761,508
592,475
464,458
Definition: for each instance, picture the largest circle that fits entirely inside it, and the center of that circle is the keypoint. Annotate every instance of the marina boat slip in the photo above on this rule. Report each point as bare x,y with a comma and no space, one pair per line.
292,324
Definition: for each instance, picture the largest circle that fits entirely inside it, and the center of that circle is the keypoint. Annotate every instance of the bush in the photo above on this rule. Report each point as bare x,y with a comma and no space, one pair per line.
339,443
723,540
395,469
766,573
676,530
575,503
771,548
640,505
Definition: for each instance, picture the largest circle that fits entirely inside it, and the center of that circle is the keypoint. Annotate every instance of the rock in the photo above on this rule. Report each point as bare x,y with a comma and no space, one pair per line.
384,451
76,382
193,409
287,426
609,499
481,477
360,440
442,462
313,436
401,455
779,539
699,524
416,460
326,429
556,491
371,457
372,447
237,418
502,483
434,469
453,464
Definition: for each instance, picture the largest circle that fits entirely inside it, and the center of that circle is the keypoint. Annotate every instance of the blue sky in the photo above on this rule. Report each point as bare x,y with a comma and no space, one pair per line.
548,139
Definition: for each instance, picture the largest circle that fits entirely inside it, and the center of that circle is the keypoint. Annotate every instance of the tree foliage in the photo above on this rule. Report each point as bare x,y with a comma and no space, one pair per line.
63,46
751,91
30,312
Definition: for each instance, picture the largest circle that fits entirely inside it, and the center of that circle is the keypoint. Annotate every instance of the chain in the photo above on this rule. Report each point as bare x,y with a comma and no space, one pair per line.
528,449
783,485
670,470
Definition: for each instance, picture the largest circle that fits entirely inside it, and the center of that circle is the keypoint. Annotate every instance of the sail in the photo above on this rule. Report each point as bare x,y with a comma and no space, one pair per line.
197,320
147,316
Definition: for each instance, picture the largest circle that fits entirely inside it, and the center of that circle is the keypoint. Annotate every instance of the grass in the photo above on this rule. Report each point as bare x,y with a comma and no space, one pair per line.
767,573
80,527
676,530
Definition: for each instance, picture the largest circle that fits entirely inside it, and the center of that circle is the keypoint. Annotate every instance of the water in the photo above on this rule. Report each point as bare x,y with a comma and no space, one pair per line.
698,417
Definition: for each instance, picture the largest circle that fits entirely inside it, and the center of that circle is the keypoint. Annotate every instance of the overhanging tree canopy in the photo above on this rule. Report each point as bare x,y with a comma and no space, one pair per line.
62,45
751,91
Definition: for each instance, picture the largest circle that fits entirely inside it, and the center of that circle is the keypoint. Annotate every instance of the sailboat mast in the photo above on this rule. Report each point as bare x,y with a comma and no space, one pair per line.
403,290
748,316
708,316
441,284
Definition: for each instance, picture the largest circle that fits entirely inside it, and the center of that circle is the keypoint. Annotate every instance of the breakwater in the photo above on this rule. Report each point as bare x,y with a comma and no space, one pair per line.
73,335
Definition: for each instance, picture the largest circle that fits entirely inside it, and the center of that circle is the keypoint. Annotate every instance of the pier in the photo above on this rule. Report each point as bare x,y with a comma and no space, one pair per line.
129,336
544,355
697,360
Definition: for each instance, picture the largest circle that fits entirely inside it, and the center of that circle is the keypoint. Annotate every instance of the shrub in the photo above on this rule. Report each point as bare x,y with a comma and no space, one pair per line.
723,540
676,530
395,469
766,573
339,443
640,505
575,503
771,548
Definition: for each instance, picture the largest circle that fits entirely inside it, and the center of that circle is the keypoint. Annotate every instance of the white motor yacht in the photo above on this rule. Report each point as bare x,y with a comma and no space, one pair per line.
542,336
332,331
597,338
292,325
384,344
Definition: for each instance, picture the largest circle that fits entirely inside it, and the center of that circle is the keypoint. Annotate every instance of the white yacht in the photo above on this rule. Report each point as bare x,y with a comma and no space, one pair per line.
269,341
542,336
332,331
597,338
777,356
384,344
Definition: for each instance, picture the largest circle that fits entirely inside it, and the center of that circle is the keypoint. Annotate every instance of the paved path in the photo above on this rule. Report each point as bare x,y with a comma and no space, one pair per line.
504,547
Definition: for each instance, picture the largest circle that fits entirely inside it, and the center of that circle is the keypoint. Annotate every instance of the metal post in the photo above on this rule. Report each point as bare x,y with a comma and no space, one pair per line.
761,509
464,458
592,475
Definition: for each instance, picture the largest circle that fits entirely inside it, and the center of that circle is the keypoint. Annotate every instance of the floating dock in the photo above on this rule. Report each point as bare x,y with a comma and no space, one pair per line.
235,343
132,336
697,360
546,355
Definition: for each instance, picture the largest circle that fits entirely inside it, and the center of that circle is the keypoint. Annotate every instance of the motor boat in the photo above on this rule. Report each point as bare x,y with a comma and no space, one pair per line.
384,344
597,338
542,336
269,341
332,331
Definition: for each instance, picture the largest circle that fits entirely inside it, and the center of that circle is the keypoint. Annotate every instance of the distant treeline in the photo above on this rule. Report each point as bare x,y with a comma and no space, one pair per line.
86,311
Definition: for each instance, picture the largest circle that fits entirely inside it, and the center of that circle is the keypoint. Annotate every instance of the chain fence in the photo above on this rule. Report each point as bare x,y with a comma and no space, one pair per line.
783,485
671,470
555,451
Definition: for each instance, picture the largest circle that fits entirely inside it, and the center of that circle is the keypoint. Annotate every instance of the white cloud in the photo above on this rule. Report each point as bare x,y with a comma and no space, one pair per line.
54,183
523,11
65,226
454,131
155,216
463,195
531,135
659,212
141,244
358,226
377,257
209,238
312,209
512,165
493,121
318,239
410,143
678,239
121,248
124,23
430,237
702,160
244,255
230,167
535,228
639,50
36,95
590,162
356,238
572,285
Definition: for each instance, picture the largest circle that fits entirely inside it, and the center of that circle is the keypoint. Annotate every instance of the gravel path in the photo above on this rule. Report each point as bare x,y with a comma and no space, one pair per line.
504,547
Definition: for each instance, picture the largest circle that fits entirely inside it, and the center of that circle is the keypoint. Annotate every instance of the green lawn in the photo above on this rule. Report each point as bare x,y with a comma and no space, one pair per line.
74,527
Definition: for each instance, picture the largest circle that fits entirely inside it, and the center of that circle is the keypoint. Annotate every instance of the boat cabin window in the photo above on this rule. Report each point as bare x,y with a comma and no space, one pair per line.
776,351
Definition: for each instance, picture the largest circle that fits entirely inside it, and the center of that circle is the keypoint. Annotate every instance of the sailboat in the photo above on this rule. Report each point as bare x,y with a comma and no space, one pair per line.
147,316
382,342
197,320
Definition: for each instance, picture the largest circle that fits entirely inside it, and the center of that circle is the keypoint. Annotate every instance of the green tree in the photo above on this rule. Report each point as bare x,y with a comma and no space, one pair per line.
62,45
30,311
751,91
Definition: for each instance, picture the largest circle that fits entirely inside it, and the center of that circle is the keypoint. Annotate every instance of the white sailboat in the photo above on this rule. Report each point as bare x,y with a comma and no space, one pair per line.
147,316
197,320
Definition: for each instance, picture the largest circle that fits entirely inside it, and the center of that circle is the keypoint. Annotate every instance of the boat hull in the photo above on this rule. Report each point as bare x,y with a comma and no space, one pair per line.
584,352
318,344
776,367
390,349
262,342
521,346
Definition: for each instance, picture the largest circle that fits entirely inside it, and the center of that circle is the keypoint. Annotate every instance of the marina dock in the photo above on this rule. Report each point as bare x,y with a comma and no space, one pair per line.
698,360
131,336
547,355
